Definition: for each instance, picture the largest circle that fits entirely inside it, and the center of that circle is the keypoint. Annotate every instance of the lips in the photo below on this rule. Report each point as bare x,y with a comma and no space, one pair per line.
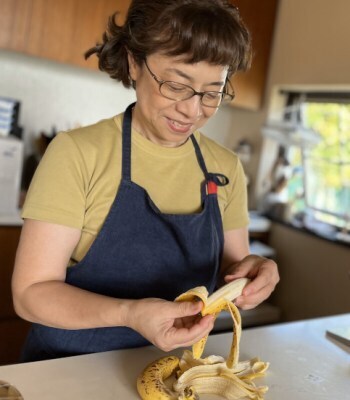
178,126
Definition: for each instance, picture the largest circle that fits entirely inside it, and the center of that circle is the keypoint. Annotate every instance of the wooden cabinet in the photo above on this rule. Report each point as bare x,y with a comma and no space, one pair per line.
259,17
63,30
51,29
56,30
13,330
14,23
88,29
314,271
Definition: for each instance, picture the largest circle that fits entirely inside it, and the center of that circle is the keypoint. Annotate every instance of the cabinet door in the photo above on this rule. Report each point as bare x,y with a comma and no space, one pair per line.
12,329
12,337
57,30
9,237
91,23
14,24
259,17
51,29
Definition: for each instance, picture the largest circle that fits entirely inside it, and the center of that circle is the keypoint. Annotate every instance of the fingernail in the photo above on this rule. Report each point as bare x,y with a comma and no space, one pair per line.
238,301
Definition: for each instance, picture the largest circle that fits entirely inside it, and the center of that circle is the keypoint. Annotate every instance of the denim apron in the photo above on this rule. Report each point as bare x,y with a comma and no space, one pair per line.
140,252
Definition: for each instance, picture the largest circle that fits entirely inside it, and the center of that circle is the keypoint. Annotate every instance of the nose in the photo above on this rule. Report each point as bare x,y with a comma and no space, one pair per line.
190,108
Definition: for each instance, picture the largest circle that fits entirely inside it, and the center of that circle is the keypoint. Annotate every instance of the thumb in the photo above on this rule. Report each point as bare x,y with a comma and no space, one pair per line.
188,308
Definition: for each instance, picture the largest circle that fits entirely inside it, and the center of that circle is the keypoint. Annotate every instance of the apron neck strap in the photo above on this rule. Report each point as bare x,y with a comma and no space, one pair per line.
212,179
126,143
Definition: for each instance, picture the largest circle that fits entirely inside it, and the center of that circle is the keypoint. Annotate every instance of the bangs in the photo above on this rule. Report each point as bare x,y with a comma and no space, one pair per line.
205,34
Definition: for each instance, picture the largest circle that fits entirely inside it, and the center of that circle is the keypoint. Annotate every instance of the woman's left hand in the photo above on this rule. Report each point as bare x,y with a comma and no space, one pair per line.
264,277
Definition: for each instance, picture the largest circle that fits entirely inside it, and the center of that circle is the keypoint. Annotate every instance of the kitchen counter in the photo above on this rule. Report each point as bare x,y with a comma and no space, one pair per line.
11,219
305,364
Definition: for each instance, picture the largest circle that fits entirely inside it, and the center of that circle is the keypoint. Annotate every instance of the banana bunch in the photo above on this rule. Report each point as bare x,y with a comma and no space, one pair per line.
228,378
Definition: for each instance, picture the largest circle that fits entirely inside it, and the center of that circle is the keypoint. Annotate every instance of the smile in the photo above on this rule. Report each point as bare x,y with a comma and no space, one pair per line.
179,126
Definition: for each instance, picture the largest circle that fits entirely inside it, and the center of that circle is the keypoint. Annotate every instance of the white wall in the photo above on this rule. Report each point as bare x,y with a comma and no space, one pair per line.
58,94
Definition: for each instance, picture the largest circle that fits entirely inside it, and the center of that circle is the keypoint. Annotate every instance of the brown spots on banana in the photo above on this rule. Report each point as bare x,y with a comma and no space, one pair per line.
151,382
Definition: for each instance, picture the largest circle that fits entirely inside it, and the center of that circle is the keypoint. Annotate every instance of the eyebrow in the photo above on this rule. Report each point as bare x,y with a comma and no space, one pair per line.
183,75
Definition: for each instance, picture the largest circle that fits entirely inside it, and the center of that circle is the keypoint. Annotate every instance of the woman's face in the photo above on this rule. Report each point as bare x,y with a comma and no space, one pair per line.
168,122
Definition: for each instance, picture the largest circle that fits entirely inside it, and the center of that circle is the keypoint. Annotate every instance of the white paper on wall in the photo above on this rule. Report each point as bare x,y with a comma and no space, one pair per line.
11,159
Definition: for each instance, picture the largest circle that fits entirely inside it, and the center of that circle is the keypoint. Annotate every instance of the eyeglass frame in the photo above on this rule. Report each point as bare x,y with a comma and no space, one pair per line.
161,82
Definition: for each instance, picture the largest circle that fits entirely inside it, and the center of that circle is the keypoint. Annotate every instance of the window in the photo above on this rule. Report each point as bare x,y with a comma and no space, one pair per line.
320,181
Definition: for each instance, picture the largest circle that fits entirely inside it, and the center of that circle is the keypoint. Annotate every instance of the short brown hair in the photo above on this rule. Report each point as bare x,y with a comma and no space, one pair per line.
198,30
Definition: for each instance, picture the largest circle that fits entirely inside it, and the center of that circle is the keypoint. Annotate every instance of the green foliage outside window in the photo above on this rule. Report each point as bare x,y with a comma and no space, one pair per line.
324,169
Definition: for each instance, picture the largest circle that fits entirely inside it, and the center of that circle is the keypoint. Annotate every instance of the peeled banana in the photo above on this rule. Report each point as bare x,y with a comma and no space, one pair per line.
228,378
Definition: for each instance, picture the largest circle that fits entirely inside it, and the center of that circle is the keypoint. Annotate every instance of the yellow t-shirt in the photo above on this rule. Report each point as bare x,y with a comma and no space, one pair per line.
79,175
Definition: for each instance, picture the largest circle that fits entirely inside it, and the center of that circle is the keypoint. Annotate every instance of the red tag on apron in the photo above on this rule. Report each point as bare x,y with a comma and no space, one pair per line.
212,187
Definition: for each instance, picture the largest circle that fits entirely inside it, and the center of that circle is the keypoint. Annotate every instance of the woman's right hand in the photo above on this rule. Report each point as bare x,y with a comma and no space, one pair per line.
169,325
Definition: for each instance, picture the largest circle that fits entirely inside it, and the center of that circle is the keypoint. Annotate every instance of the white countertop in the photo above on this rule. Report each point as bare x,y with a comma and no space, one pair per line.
305,364
13,219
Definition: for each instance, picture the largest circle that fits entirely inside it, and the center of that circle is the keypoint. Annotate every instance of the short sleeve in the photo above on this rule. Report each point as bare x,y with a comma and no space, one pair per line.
58,189
236,210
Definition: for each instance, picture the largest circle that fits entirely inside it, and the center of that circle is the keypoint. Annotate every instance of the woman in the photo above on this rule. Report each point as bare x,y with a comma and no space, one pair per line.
141,207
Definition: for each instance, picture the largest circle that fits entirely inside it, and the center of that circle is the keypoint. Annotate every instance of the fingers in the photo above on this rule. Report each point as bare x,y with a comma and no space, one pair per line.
192,326
187,308
187,336
264,277
179,324
246,302
247,268
264,274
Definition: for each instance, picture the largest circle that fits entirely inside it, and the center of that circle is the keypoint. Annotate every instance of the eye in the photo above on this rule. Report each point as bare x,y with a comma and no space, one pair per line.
213,95
177,87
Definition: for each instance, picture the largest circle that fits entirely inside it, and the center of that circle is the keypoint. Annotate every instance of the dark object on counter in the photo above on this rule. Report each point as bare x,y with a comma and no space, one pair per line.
32,161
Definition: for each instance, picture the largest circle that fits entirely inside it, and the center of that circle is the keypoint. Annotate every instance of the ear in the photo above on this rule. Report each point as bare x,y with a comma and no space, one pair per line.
133,67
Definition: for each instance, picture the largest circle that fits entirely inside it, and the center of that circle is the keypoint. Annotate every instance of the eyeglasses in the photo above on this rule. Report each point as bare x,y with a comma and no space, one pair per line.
179,91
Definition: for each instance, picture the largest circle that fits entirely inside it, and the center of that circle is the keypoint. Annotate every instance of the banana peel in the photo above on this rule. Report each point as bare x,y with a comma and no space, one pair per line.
227,378
219,301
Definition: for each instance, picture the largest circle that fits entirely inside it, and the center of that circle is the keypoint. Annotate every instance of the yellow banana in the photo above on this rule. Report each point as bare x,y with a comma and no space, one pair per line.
228,378
151,386
9,392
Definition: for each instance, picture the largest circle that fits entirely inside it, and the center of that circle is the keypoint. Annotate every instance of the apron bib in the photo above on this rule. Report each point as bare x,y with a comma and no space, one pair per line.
140,252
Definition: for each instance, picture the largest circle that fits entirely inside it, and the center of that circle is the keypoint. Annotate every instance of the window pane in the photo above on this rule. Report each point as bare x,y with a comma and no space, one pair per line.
324,190
326,166
324,172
